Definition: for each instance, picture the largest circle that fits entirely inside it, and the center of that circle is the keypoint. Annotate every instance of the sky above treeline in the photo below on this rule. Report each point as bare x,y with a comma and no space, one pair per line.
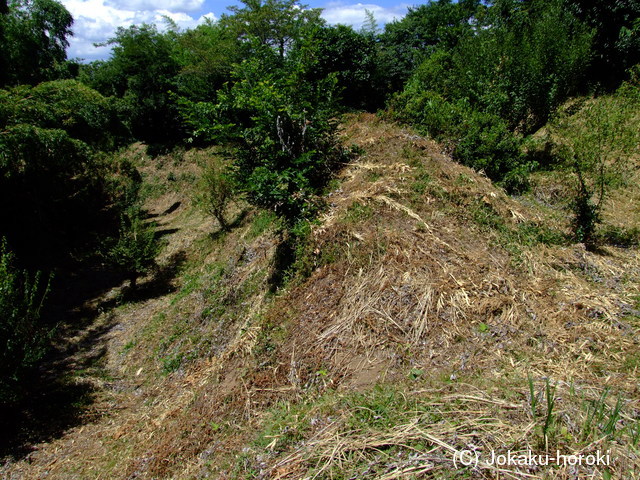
97,20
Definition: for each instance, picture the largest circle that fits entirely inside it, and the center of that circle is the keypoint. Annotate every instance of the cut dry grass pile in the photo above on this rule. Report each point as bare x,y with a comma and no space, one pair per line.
424,278
400,432
429,284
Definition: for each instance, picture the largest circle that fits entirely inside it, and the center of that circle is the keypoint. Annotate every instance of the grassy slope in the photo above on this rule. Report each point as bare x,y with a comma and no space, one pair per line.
432,307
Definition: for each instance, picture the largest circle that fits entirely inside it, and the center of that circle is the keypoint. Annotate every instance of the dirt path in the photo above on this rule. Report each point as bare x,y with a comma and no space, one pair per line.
86,390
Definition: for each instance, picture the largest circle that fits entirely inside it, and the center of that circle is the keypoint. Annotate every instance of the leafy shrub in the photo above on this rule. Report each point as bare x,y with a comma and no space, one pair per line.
593,143
141,72
52,174
480,140
354,59
486,143
216,190
23,338
281,128
134,251
434,26
68,105
616,37
523,63
34,40
206,55
51,185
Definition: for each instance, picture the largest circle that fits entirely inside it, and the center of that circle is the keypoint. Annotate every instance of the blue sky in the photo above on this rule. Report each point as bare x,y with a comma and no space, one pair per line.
96,20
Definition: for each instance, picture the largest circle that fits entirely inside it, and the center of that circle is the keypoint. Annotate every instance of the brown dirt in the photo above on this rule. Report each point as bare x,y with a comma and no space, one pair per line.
401,278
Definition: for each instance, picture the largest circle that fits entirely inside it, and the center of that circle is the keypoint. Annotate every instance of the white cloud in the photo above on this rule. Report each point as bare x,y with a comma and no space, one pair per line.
149,5
354,14
97,20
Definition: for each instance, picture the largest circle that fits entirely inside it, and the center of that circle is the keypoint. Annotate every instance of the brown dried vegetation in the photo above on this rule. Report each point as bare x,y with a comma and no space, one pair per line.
420,280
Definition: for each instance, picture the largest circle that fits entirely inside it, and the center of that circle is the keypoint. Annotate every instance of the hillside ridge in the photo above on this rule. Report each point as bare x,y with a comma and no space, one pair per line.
427,308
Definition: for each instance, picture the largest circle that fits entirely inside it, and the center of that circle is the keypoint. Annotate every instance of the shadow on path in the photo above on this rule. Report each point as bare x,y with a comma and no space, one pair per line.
61,393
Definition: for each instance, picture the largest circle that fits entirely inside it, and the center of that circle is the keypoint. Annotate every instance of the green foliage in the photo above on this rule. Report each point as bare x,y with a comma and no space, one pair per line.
275,24
526,64
34,39
23,337
499,76
51,173
616,42
593,144
282,129
437,25
141,72
65,104
520,65
354,59
477,139
205,55
134,251
53,184
216,190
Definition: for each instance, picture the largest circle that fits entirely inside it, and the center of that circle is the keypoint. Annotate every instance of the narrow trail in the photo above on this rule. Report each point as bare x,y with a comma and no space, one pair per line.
83,387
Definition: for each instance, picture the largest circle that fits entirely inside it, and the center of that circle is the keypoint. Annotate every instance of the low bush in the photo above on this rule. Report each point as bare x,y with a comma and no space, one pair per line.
23,338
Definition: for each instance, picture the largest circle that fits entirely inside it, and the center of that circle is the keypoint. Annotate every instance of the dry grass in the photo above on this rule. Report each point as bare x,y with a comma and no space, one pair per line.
408,284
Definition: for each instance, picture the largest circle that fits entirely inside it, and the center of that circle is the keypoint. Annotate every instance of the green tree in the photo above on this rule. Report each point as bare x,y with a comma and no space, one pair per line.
616,42
436,25
206,55
66,104
353,58
278,122
280,128
277,24
141,71
522,60
284,135
35,34
51,172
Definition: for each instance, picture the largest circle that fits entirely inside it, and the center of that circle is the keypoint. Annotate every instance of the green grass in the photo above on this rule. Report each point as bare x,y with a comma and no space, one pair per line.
620,236
191,282
514,238
261,222
357,213
421,182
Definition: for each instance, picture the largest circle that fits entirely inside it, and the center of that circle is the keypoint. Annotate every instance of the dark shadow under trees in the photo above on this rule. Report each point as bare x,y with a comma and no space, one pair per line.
58,395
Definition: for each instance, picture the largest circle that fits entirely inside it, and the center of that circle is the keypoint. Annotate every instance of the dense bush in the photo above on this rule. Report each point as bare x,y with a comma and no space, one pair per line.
281,128
53,176
616,41
50,185
133,252
23,338
529,60
438,25
205,56
477,139
355,60
141,72
65,104
521,64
